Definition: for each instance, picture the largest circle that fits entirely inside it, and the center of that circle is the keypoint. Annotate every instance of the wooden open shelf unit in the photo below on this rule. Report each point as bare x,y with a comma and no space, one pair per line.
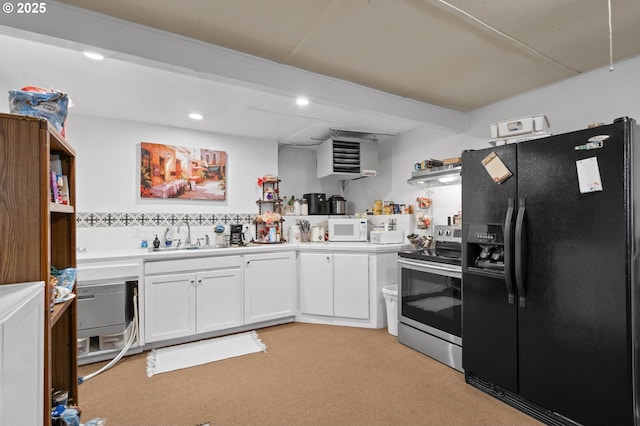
38,234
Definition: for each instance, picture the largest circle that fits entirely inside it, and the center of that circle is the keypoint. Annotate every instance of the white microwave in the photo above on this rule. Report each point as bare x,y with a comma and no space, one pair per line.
347,229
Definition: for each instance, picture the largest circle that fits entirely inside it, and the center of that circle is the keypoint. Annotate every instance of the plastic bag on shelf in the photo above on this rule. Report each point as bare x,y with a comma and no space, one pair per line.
65,278
37,102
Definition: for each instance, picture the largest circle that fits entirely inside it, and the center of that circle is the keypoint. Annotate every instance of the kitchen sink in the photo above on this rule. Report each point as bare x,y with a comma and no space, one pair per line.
179,248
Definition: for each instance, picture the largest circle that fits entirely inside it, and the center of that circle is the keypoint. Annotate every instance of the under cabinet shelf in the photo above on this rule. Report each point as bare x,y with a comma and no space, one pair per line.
439,176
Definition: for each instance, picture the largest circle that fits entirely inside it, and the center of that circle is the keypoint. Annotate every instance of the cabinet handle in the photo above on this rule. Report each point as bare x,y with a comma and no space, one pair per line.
248,261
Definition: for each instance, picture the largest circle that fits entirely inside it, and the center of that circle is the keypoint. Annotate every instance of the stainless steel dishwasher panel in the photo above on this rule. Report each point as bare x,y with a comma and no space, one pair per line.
102,309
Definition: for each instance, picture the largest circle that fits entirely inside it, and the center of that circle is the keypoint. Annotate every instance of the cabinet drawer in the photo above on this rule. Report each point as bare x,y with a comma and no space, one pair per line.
191,264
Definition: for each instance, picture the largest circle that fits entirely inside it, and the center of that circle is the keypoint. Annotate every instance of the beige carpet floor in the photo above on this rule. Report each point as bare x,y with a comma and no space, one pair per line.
310,375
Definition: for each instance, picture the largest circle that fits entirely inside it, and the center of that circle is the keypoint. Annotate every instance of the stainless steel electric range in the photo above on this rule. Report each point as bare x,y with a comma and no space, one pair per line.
430,299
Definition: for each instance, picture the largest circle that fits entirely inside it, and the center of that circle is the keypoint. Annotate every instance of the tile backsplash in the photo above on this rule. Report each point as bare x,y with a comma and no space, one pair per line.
112,220
125,230
120,230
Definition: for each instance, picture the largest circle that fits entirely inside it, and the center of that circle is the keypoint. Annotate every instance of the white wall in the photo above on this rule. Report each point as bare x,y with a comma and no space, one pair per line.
599,96
298,173
108,173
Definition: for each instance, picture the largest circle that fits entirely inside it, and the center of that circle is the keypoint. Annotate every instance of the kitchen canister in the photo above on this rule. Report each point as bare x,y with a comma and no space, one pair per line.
317,234
294,234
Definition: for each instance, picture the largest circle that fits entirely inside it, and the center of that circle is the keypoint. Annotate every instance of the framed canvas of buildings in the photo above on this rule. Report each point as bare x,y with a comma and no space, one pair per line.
171,171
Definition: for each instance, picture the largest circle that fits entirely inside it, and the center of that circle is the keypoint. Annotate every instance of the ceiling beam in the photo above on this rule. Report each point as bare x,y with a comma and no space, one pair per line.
92,29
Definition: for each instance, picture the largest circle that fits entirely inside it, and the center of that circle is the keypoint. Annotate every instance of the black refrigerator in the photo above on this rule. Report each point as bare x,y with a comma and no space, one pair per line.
550,274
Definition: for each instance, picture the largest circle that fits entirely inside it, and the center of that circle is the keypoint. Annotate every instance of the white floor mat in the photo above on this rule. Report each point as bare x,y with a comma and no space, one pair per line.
202,352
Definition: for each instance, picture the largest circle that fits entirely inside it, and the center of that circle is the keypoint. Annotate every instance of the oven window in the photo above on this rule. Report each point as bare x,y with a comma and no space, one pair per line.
433,300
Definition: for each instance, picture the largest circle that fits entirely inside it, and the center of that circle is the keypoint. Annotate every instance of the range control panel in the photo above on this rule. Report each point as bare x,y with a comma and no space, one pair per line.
451,233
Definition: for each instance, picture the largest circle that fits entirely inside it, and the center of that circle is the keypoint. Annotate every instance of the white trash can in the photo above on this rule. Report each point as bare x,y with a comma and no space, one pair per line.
390,293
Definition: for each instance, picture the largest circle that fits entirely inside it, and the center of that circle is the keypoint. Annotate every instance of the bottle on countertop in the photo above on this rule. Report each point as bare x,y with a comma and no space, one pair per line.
168,237
304,207
156,242
296,207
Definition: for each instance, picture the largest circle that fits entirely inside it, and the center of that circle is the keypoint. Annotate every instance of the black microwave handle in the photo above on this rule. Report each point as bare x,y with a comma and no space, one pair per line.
508,250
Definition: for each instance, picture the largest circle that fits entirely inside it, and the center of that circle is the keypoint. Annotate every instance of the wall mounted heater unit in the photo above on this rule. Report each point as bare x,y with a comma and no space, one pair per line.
346,159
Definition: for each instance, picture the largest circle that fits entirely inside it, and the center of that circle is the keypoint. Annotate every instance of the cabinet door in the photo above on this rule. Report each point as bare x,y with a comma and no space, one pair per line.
351,285
316,283
269,285
169,303
219,303
21,353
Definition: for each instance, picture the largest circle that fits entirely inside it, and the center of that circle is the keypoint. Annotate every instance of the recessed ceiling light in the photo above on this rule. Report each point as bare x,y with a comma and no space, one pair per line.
302,101
195,116
93,55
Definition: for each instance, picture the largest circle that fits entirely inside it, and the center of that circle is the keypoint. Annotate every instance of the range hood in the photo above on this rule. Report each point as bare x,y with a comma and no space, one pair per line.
437,176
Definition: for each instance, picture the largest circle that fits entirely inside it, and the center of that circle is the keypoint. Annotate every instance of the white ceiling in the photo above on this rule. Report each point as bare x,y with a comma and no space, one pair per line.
435,60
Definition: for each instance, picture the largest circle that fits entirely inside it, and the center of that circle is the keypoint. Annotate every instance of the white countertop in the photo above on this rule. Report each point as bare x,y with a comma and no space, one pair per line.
95,256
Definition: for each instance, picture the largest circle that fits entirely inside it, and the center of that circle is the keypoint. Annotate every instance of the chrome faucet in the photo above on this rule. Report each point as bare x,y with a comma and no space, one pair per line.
188,240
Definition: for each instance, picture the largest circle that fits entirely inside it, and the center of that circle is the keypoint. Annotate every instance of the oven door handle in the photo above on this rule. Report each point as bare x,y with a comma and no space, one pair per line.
508,247
519,247
433,268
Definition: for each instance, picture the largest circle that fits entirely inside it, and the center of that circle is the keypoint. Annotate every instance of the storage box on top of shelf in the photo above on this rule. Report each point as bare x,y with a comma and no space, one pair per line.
37,102
519,126
451,161
428,164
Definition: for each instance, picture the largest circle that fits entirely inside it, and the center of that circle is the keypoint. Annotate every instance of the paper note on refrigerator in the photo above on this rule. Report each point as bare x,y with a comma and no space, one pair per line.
589,175
496,168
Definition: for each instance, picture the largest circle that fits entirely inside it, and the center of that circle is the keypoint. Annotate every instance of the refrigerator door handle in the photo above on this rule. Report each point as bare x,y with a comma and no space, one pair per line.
508,262
519,237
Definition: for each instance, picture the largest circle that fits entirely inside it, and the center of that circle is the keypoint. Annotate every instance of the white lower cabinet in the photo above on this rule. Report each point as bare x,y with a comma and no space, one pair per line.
269,286
170,306
316,283
184,304
334,284
219,300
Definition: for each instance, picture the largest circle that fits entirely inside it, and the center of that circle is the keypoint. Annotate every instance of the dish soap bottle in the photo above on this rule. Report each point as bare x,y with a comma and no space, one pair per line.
156,242
168,237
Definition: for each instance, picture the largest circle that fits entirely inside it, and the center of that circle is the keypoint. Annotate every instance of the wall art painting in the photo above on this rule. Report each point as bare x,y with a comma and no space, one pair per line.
171,171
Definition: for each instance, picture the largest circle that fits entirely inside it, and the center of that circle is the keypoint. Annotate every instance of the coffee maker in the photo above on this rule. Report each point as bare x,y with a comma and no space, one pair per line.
236,236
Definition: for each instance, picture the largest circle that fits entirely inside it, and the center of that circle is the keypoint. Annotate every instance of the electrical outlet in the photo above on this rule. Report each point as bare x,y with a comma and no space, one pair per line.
136,231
